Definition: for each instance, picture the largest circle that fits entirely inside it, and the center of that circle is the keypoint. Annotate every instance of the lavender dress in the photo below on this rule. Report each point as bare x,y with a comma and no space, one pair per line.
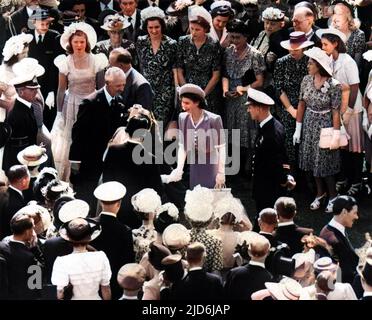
200,141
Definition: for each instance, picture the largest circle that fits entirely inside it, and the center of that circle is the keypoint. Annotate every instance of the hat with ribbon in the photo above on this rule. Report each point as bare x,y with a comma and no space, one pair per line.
297,40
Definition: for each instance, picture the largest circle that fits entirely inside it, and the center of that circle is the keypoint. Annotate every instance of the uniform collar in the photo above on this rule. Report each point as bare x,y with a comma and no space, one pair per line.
263,122
108,214
367,294
257,264
195,269
124,296
23,101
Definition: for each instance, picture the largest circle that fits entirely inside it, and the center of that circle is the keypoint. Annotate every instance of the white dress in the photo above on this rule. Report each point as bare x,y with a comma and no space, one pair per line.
81,83
86,271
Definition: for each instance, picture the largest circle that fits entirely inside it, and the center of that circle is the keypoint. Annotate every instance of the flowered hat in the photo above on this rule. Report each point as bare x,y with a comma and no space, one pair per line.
273,14
15,45
82,26
146,201
115,23
152,12
199,204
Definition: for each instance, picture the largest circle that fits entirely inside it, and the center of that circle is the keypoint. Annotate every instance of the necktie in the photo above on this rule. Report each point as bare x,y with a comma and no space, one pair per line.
40,41
130,28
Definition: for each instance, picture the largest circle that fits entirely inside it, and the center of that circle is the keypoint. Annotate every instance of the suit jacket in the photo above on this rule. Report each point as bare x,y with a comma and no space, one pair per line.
133,35
291,235
242,281
45,53
116,241
137,90
53,248
19,21
3,278
95,125
11,202
22,120
163,4
18,259
343,252
198,285
269,158
94,8
314,38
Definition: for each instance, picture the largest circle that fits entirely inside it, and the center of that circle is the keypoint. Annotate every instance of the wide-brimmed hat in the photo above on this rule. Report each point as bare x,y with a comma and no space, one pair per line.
15,45
5,133
259,97
302,258
198,11
72,209
146,201
80,230
102,17
131,276
37,15
26,72
81,26
325,263
179,7
115,23
321,57
41,216
191,88
286,289
199,204
49,3
365,271
176,236
297,40
273,14
110,191
32,156
333,31
157,252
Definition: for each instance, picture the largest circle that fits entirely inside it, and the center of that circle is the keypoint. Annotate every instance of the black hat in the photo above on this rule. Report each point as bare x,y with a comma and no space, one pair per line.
346,4
57,206
80,230
5,133
156,254
238,26
173,267
104,14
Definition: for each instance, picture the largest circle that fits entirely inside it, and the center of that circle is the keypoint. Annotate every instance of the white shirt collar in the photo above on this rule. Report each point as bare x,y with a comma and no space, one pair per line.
108,214
27,103
37,34
309,34
29,11
367,294
195,268
128,72
263,232
12,239
151,2
333,223
263,122
110,5
133,16
284,224
124,296
15,189
258,264
107,95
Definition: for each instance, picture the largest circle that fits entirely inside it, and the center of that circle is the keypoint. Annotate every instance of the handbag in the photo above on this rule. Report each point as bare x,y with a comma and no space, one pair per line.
67,291
326,137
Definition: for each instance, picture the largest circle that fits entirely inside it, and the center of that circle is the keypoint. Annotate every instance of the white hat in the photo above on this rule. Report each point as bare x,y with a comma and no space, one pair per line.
198,11
115,22
146,201
191,88
220,3
176,236
82,26
110,191
199,204
286,289
49,3
152,12
73,209
259,97
324,263
229,204
301,258
273,14
368,55
40,215
297,40
245,2
321,57
171,209
15,45
333,31
26,72
32,156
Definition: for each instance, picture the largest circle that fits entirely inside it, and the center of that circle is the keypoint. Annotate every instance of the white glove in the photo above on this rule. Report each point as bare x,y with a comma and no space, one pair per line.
174,176
370,132
365,122
220,180
49,101
335,142
297,134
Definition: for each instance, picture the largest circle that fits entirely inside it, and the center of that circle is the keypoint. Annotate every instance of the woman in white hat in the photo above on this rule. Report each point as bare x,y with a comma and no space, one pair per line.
288,74
199,57
77,79
319,107
346,71
221,13
157,56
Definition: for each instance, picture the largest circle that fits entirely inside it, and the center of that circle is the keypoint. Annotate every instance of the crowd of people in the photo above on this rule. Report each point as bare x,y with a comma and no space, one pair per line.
123,121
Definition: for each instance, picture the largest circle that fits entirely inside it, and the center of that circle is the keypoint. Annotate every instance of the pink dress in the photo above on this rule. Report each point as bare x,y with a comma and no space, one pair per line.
81,83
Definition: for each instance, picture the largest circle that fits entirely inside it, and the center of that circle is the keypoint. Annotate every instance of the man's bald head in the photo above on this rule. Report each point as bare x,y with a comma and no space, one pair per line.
115,81
121,58
303,19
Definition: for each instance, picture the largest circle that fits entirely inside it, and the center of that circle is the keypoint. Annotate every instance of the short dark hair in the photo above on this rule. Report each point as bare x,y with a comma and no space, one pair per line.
322,71
79,33
195,252
341,47
17,172
202,22
238,26
139,122
124,57
223,11
195,98
161,21
20,223
228,218
285,207
343,202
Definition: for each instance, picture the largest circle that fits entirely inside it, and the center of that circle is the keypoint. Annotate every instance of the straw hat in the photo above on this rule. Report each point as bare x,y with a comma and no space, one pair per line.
297,40
286,289
32,156
333,31
321,57
73,209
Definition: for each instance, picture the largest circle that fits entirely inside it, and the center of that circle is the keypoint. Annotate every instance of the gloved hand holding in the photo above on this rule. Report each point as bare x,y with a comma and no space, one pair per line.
50,100
174,176
335,142
297,134
365,122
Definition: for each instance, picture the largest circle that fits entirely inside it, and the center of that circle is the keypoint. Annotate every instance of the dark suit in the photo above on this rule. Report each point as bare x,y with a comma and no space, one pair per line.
19,21
18,260
96,123
116,241
45,52
131,33
137,91
314,38
3,279
53,248
198,285
94,8
241,282
343,252
11,201
292,235
268,160
163,4
24,131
